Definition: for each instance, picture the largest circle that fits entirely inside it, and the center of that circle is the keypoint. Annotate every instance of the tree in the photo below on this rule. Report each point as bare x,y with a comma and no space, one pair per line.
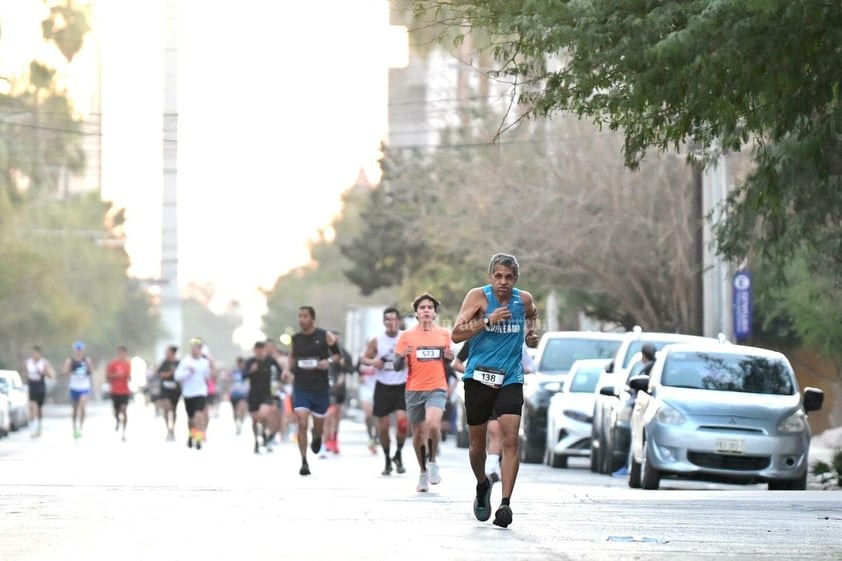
618,242
717,75
67,267
322,283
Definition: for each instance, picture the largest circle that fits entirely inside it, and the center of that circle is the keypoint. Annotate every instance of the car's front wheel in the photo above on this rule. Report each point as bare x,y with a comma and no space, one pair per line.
554,460
595,451
531,449
799,484
650,478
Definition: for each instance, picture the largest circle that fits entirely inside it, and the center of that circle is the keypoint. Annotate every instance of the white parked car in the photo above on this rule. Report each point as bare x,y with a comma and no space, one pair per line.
12,387
5,425
570,413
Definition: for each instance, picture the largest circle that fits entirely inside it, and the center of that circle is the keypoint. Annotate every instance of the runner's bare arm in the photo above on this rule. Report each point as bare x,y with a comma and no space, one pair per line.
286,375
370,357
531,313
469,320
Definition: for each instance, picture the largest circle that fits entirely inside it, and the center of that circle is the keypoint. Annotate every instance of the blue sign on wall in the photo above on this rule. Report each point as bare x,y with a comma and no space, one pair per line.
742,305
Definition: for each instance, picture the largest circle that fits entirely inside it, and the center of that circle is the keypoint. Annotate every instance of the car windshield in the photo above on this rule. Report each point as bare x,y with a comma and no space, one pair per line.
728,372
560,353
636,345
585,380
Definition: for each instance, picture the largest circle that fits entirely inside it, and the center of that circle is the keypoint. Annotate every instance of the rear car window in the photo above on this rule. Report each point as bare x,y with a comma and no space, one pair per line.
560,353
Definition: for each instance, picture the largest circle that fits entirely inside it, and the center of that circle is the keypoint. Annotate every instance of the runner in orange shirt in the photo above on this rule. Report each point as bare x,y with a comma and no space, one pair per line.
424,349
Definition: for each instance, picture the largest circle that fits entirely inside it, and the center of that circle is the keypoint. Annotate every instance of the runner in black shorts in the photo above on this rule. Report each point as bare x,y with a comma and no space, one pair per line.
258,371
389,388
37,370
192,373
170,390
498,318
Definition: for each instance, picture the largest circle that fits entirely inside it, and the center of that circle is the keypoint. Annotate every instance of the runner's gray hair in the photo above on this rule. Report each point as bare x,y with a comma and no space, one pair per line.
506,260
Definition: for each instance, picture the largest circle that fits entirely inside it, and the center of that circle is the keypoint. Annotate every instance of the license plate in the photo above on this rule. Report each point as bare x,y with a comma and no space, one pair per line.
730,446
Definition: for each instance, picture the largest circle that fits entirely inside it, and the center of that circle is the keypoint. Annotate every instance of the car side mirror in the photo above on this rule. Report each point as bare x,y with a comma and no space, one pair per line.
608,391
609,368
813,399
553,387
639,383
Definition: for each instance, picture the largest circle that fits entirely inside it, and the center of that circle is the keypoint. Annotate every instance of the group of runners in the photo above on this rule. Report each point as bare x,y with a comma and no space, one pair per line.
403,377
495,322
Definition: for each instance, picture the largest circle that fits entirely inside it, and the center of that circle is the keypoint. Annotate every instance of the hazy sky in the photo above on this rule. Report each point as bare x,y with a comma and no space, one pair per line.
280,105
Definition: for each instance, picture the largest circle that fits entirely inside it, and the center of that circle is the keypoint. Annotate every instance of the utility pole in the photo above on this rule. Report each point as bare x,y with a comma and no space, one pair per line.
170,302
716,273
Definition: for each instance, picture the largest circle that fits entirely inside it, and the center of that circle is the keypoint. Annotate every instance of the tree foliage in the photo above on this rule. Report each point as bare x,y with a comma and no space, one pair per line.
64,274
557,195
322,282
67,280
714,74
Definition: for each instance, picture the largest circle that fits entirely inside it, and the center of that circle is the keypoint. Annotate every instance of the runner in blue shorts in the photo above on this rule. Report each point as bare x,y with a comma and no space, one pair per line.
80,369
312,352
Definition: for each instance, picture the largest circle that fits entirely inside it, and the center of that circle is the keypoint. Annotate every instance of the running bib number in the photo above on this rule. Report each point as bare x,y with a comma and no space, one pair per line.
170,385
492,377
79,379
389,365
307,363
428,353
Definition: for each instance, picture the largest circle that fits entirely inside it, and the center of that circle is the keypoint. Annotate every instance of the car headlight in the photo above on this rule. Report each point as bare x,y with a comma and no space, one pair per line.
797,422
670,415
577,416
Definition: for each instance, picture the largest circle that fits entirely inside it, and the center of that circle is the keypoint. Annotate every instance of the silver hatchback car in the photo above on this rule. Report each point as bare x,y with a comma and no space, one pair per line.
721,412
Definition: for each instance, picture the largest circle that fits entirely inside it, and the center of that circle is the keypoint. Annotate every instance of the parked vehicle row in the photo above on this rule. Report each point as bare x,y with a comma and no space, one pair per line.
557,352
14,402
611,436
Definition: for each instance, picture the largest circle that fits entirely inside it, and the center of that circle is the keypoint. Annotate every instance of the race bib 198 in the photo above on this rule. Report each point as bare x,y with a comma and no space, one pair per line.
428,353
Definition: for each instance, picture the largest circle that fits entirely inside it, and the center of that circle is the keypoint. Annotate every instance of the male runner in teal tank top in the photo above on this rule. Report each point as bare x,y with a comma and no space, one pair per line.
497,318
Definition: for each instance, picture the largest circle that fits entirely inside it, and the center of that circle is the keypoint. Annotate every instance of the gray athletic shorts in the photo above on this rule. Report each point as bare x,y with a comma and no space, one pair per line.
417,403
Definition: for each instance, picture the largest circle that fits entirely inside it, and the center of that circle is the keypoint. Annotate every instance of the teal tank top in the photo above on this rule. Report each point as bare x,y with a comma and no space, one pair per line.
499,347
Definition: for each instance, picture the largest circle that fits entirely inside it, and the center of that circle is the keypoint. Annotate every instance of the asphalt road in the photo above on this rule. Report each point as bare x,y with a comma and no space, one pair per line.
97,498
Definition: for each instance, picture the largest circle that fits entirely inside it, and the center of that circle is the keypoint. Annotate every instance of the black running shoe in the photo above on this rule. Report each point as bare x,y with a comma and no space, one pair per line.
482,502
190,442
256,447
399,464
503,516
387,470
316,444
305,469
198,445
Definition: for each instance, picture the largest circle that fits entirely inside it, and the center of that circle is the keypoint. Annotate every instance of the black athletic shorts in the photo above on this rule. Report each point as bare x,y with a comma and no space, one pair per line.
171,395
195,404
258,399
119,400
483,403
37,392
388,398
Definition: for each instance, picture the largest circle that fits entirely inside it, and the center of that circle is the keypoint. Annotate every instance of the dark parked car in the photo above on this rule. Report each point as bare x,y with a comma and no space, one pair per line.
557,351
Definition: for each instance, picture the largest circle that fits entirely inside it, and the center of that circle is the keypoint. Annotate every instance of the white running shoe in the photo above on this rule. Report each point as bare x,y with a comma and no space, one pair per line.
435,476
422,487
